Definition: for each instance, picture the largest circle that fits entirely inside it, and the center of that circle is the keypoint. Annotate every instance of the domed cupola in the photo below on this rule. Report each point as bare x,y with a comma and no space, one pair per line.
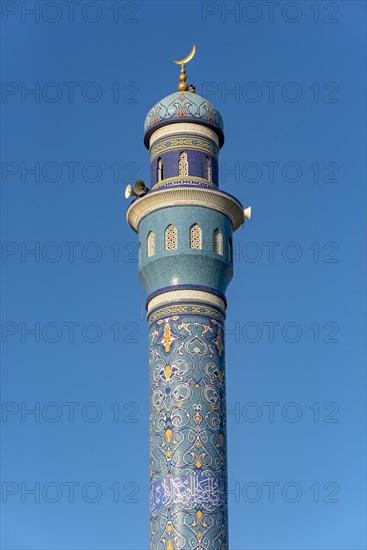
185,106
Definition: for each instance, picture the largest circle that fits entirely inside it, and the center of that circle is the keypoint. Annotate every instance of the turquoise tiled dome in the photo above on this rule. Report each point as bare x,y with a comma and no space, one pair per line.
183,107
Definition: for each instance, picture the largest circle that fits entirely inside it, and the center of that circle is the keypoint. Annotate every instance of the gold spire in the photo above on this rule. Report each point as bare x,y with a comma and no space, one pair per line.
183,87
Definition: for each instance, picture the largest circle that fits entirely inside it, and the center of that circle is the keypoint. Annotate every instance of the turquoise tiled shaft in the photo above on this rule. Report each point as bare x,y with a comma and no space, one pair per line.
185,226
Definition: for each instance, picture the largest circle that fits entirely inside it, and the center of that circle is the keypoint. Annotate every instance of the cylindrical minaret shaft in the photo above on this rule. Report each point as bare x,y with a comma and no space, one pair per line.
187,423
185,227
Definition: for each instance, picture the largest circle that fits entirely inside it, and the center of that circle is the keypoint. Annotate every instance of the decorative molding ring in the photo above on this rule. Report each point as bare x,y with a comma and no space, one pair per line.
181,128
177,296
185,196
182,180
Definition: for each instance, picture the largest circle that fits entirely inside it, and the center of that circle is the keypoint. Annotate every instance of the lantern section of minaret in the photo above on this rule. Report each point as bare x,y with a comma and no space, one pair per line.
185,226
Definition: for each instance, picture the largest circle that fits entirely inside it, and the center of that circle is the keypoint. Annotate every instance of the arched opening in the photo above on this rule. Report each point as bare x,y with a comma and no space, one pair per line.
170,238
217,241
195,237
183,165
159,169
207,168
151,244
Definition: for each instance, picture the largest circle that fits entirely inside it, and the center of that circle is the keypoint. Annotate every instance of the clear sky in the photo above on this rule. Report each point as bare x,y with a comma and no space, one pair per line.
289,81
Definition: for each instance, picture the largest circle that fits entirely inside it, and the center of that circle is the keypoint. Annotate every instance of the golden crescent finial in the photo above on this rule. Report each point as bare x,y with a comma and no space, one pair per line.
187,58
183,87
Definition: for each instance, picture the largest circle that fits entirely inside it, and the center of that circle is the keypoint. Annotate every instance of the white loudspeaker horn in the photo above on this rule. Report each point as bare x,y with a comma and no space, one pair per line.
247,213
129,192
138,190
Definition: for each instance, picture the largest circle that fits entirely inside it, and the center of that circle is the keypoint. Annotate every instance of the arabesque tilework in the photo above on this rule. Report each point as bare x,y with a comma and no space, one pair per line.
187,429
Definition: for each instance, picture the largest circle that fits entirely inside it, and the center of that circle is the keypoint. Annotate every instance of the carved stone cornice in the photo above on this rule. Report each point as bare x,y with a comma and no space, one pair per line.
185,196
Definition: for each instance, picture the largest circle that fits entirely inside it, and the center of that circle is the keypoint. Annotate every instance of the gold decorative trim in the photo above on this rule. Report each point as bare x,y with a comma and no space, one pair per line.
185,309
194,143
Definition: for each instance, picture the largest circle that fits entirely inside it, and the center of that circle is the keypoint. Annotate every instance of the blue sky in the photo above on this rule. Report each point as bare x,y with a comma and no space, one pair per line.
289,81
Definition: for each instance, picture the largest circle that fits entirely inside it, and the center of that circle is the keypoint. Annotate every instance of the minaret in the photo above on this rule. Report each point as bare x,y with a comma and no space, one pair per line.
185,227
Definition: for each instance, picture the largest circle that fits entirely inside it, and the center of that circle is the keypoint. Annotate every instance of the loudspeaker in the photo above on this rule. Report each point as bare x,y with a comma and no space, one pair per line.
138,190
247,213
